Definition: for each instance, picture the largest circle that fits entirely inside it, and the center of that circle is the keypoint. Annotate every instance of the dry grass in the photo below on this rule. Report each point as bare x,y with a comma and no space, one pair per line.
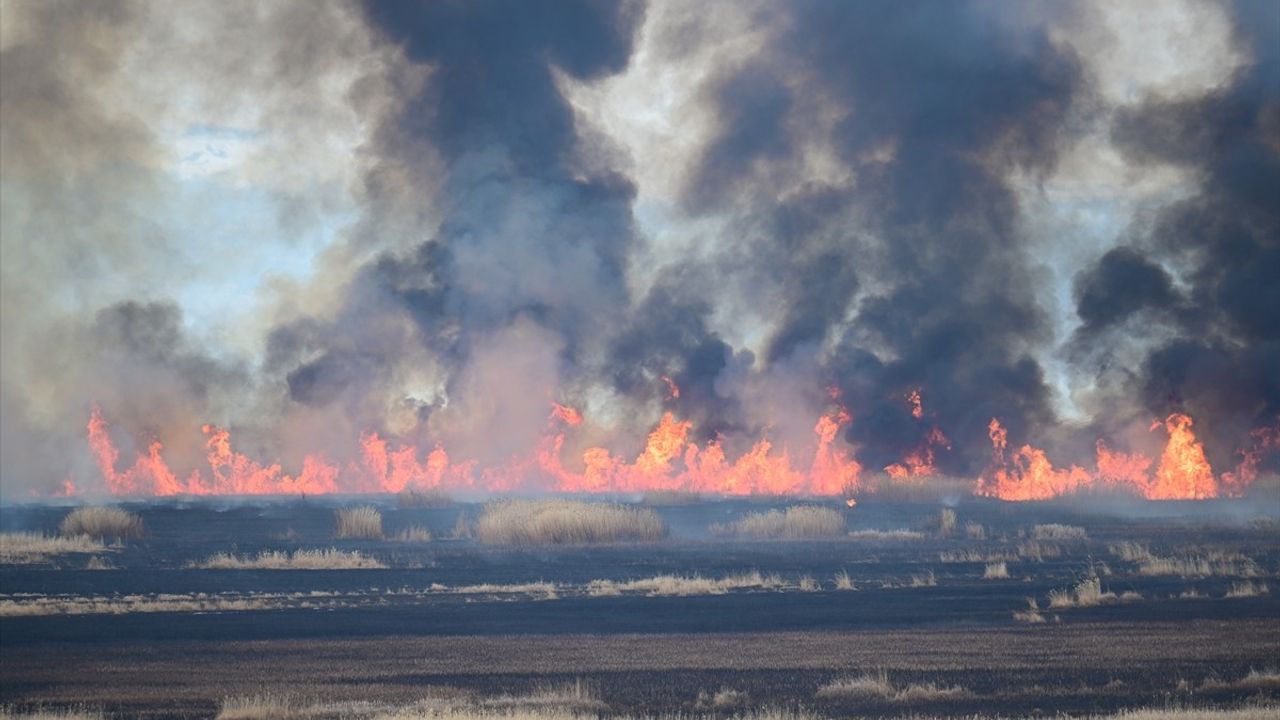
975,531
1031,614
359,523
101,522
808,584
678,585
1056,531
62,714
98,563
566,522
423,499
577,695
542,590
925,579
946,522
721,699
1088,593
996,571
1130,551
886,535
30,548
843,581
1037,551
414,534
878,686
795,523
331,559
1248,588
976,556
1192,566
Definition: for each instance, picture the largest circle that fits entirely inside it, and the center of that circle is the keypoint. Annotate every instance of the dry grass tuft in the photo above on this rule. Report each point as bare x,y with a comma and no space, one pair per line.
843,581
1088,593
1056,531
1195,566
1248,588
414,534
98,563
578,695
996,571
926,579
1031,614
975,531
1131,551
331,559
878,686
566,522
721,699
886,535
259,707
101,522
946,522
795,523
359,523
61,714
423,499
1038,551
808,584
678,585
30,548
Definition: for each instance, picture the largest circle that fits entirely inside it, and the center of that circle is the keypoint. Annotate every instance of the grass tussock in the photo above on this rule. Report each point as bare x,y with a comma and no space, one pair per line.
996,571
414,534
724,698
797,522
975,531
30,548
1056,531
843,581
101,522
423,499
1031,614
359,523
925,579
1192,566
945,524
878,686
681,585
52,714
1036,551
99,563
1088,593
886,535
566,522
331,559
578,695
1247,589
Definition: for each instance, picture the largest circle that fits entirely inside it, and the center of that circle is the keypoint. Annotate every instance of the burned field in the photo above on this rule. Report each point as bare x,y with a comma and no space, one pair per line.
911,607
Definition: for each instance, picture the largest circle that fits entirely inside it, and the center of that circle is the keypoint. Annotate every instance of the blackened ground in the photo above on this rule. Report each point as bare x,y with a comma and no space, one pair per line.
389,637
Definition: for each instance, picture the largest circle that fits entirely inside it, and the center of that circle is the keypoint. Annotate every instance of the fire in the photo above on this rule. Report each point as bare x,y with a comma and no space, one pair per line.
1183,472
673,390
918,463
670,460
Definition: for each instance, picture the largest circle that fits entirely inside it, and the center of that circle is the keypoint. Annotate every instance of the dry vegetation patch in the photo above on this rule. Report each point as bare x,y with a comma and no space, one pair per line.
887,535
795,523
1056,531
1248,588
878,686
566,522
28,548
996,571
423,499
101,522
331,559
359,523
684,585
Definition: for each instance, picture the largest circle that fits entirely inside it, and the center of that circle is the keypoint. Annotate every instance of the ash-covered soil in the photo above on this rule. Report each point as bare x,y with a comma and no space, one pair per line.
1187,607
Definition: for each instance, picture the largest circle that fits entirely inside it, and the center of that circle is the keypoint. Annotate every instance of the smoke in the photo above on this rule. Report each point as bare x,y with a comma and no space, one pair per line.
476,209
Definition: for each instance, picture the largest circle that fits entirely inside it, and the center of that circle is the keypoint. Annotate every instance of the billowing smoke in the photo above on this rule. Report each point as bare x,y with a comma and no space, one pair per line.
749,216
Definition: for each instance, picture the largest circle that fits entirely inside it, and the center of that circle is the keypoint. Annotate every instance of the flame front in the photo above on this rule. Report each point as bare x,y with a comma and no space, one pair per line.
671,461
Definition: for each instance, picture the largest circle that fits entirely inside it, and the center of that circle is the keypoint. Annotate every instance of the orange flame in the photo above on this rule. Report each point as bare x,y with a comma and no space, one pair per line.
673,390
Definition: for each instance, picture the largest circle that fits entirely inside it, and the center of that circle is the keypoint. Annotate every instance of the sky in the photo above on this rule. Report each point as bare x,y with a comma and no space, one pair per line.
310,220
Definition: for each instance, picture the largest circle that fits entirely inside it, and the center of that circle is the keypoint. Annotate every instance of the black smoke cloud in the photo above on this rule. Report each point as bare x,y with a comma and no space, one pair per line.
855,196
1222,364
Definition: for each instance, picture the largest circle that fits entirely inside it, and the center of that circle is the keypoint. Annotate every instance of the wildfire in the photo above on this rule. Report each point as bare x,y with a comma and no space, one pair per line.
918,463
1183,472
670,460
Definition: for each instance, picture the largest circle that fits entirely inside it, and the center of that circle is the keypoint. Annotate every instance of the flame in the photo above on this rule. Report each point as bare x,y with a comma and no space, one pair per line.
673,390
671,461
917,408
1028,474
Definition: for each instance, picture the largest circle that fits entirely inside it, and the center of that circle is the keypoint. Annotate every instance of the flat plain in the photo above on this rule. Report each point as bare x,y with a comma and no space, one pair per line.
1091,605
